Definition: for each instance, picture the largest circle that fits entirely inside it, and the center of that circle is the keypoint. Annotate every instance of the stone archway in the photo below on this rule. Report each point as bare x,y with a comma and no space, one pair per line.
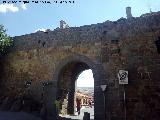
65,76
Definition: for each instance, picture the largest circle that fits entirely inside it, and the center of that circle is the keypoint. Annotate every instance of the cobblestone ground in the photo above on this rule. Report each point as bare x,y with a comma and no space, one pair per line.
80,117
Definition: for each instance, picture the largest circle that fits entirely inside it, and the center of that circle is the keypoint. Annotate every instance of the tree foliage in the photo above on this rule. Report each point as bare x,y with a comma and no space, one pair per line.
5,40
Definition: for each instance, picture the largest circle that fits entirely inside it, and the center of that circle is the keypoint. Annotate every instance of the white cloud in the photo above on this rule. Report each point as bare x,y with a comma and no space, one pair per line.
85,79
8,8
41,29
23,6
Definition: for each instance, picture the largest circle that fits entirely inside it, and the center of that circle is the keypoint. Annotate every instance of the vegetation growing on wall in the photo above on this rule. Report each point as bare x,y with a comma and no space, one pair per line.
5,40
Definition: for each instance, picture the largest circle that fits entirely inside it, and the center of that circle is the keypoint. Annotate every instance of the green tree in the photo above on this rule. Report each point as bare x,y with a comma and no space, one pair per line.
5,40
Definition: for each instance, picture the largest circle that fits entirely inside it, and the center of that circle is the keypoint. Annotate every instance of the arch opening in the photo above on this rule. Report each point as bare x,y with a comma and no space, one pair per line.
67,72
71,74
85,92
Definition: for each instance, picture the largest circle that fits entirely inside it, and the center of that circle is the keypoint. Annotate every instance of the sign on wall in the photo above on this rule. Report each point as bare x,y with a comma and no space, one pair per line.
123,77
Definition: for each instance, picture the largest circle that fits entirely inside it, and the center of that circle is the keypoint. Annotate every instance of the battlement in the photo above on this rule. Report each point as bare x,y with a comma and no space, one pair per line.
88,33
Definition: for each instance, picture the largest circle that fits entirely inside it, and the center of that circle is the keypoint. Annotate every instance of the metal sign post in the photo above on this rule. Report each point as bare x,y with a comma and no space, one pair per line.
124,95
103,87
123,80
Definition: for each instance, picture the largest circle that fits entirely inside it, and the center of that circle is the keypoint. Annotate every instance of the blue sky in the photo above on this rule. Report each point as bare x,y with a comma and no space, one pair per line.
20,19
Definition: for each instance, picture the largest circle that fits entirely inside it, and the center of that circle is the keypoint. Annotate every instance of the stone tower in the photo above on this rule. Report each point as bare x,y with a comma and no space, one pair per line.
128,12
63,24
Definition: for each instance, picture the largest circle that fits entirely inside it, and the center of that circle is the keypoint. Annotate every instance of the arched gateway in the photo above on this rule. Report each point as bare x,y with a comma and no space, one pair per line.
67,72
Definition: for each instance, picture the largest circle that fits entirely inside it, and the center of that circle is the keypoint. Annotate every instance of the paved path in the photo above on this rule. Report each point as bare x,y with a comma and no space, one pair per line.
80,117
17,116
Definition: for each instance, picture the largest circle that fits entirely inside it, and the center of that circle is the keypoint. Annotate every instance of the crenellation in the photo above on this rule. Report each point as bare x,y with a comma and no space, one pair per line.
93,32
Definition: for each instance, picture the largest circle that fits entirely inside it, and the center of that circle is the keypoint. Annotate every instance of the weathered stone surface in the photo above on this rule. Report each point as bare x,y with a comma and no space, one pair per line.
58,57
43,113
6,104
1,99
17,105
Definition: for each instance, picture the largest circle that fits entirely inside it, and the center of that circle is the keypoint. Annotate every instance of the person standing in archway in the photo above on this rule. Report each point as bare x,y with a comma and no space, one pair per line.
78,101
89,103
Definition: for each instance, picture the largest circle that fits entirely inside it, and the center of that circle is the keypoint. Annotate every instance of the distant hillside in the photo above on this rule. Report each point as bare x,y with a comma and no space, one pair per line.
86,90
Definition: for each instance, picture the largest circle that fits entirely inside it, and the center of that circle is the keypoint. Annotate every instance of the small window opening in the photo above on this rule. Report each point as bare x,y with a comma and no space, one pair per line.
43,44
115,41
157,42
104,32
39,41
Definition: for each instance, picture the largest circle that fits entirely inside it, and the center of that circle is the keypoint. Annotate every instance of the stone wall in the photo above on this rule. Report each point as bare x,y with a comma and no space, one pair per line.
127,44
